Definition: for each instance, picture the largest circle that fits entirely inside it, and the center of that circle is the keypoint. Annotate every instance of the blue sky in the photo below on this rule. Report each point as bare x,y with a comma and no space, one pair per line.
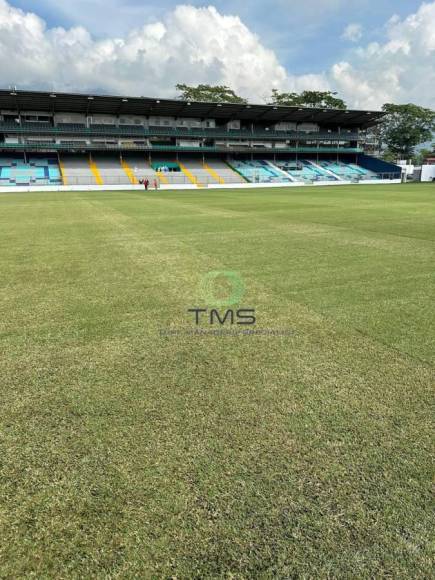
305,34
369,52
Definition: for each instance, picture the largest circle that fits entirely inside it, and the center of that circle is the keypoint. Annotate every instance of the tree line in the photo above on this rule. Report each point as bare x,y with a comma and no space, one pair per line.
398,133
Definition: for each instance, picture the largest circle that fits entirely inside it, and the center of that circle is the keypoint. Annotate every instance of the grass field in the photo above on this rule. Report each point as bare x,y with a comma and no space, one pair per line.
128,452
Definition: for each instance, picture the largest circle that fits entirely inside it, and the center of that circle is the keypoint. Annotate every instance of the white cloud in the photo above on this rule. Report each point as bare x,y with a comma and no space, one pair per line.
201,45
399,70
192,45
352,32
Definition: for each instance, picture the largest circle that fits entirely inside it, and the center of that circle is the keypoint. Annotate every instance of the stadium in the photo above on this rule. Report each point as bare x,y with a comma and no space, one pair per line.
52,139
217,304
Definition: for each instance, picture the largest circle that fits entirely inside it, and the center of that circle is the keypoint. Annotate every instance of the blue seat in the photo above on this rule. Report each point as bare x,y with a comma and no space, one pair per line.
35,171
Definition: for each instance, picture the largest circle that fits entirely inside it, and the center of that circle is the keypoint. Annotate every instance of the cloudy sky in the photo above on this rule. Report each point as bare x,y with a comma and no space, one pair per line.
370,52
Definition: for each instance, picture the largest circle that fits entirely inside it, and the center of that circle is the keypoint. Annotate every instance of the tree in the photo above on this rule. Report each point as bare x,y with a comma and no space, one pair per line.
406,126
315,99
209,93
420,156
389,156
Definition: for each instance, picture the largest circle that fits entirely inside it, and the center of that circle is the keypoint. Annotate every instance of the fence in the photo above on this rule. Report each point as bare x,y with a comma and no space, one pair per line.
181,179
170,178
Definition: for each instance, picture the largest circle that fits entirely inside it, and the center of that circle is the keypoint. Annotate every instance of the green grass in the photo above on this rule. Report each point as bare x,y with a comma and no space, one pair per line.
125,453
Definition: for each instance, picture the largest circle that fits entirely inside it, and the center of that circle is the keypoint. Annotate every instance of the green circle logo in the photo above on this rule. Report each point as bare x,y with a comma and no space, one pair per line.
211,280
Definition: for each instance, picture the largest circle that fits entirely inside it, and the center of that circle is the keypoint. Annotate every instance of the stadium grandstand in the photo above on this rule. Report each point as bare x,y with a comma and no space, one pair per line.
60,139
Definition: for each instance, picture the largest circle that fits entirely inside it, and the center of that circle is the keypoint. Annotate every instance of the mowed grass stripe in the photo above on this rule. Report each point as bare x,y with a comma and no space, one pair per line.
126,453
380,257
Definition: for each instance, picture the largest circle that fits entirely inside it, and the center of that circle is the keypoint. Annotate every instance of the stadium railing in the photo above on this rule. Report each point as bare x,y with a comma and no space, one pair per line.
139,130
83,146
181,179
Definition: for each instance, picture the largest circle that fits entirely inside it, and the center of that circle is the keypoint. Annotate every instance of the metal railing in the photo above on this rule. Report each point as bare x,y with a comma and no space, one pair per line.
163,179
72,146
181,179
377,177
140,131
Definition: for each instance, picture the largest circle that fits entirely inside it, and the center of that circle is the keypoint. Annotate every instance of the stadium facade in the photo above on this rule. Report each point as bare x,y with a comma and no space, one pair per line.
58,139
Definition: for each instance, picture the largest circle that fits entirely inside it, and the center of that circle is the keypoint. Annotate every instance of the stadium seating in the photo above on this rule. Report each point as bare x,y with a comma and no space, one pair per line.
381,168
195,171
348,171
98,128
70,126
363,172
27,126
34,171
115,130
139,166
77,171
170,172
111,170
305,170
258,171
224,171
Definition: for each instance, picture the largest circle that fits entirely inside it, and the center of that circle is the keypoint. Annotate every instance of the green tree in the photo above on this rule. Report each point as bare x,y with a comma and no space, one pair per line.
406,126
389,156
209,93
419,156
315,99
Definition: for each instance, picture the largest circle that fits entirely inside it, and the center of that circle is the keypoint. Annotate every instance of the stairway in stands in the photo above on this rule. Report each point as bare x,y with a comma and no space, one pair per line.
76,170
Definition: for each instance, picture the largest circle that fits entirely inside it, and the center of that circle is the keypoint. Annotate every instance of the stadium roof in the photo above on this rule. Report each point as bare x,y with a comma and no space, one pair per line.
118,105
